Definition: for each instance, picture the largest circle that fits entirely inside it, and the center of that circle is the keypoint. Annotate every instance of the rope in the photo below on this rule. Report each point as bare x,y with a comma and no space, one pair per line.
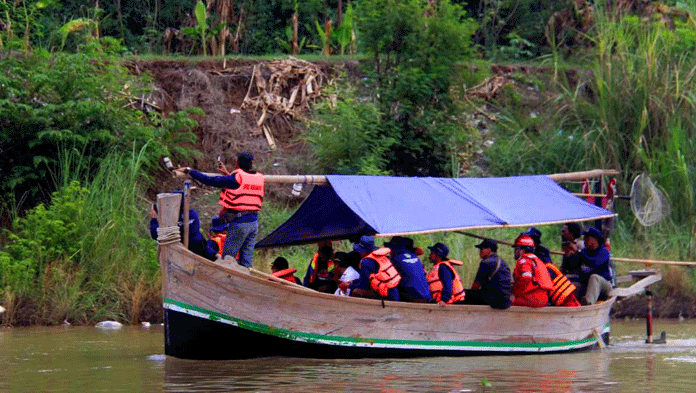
168,235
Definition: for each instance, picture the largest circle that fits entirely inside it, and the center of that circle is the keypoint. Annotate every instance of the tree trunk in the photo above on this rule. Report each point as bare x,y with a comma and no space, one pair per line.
295,23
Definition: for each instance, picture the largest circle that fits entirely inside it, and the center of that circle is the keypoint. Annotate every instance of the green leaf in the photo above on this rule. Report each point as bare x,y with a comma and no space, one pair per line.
201,16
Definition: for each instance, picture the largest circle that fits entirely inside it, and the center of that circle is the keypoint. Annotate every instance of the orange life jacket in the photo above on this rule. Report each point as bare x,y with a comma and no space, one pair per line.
436,285
287,274
248,197
541,274
219,239
562,287
387,277
315,270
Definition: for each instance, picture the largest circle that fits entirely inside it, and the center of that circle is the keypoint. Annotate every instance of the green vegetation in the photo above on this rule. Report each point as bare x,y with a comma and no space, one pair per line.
86,256
617,92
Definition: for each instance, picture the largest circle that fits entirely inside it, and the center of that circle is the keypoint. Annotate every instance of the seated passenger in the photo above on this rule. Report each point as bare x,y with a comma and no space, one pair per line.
196,243
310,275
218,233
414,285
322,279
572,232
596,274
445,285
493,282
539,250
378,277
346,272
281,269
531,280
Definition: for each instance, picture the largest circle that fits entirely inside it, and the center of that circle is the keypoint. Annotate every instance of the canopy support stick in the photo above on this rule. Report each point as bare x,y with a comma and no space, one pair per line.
187,193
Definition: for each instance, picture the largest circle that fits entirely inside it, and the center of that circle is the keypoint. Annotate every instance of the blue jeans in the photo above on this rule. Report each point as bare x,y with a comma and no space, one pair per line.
241,238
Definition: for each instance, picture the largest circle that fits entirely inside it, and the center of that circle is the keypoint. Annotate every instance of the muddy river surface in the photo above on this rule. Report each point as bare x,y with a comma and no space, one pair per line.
71,359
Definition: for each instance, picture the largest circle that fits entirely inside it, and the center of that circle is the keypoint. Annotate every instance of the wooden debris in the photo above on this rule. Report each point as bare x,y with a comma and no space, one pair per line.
283,88
489,88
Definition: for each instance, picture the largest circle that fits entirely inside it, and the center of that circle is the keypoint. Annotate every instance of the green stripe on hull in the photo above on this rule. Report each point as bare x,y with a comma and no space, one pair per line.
483,346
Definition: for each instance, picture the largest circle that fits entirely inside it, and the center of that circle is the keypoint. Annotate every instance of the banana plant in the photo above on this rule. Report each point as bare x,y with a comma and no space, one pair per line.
202,29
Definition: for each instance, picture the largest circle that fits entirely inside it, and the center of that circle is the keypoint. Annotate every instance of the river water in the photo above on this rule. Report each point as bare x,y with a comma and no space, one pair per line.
71,359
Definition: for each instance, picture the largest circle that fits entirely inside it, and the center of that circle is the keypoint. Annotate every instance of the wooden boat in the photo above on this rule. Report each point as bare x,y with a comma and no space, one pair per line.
220,310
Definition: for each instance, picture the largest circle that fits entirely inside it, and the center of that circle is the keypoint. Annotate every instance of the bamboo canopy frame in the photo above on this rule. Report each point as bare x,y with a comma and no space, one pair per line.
321,180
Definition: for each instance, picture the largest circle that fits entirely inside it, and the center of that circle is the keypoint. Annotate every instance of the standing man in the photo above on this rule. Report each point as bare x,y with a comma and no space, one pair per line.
445,285
532,282
378,277
493,282
241,199
413,286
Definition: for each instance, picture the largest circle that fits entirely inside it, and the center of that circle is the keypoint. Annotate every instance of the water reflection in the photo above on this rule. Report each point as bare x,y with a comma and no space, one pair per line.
131,359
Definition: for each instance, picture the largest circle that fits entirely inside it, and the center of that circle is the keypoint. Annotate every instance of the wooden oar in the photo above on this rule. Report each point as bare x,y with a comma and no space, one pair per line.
618,259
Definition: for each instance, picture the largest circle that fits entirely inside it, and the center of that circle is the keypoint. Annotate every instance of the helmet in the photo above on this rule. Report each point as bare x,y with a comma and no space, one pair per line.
524,240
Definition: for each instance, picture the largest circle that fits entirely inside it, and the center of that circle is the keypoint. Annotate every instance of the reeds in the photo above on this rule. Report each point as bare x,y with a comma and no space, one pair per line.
638,114
88,253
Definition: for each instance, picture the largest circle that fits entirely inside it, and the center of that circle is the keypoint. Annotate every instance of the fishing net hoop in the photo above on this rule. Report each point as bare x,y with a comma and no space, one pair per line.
648,203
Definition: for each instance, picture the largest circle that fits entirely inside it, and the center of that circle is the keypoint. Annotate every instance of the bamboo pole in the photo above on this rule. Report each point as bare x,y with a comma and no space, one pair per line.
321,179
617,259
579,176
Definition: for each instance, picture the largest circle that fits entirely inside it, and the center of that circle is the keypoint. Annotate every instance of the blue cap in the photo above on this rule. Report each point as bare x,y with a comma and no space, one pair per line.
534,234
365,245
488,243
593,232
440,250
217,225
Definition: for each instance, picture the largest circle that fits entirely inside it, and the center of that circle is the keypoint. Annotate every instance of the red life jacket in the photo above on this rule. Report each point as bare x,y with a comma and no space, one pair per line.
287,274
248,197
562,287
387,277
436,284
219,239
541,274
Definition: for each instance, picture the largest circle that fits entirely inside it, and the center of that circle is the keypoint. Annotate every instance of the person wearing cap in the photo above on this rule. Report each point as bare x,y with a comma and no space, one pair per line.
218,233
493,281
413,286
539,250
241,199
325,258
197,243
531,280
596,274
378,276
281,269
445,285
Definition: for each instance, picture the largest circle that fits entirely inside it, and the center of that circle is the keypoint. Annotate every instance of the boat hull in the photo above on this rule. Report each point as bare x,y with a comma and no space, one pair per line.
214,311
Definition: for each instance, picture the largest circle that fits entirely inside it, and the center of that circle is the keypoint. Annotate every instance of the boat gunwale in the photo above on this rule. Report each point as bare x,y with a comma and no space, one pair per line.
267,279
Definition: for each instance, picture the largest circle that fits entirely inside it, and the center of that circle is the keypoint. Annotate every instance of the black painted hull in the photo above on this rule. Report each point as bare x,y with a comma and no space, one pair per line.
190,337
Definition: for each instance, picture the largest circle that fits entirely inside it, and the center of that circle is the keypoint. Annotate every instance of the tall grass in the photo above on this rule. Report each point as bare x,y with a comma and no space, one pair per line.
87,256
639,115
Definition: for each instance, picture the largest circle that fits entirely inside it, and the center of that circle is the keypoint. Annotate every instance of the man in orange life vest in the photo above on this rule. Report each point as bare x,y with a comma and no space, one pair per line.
241,199
378,277
323,257
218,233
445,285
532,282
281,269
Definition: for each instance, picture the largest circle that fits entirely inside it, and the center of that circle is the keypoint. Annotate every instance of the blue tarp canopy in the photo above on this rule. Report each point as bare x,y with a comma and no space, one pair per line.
389,206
